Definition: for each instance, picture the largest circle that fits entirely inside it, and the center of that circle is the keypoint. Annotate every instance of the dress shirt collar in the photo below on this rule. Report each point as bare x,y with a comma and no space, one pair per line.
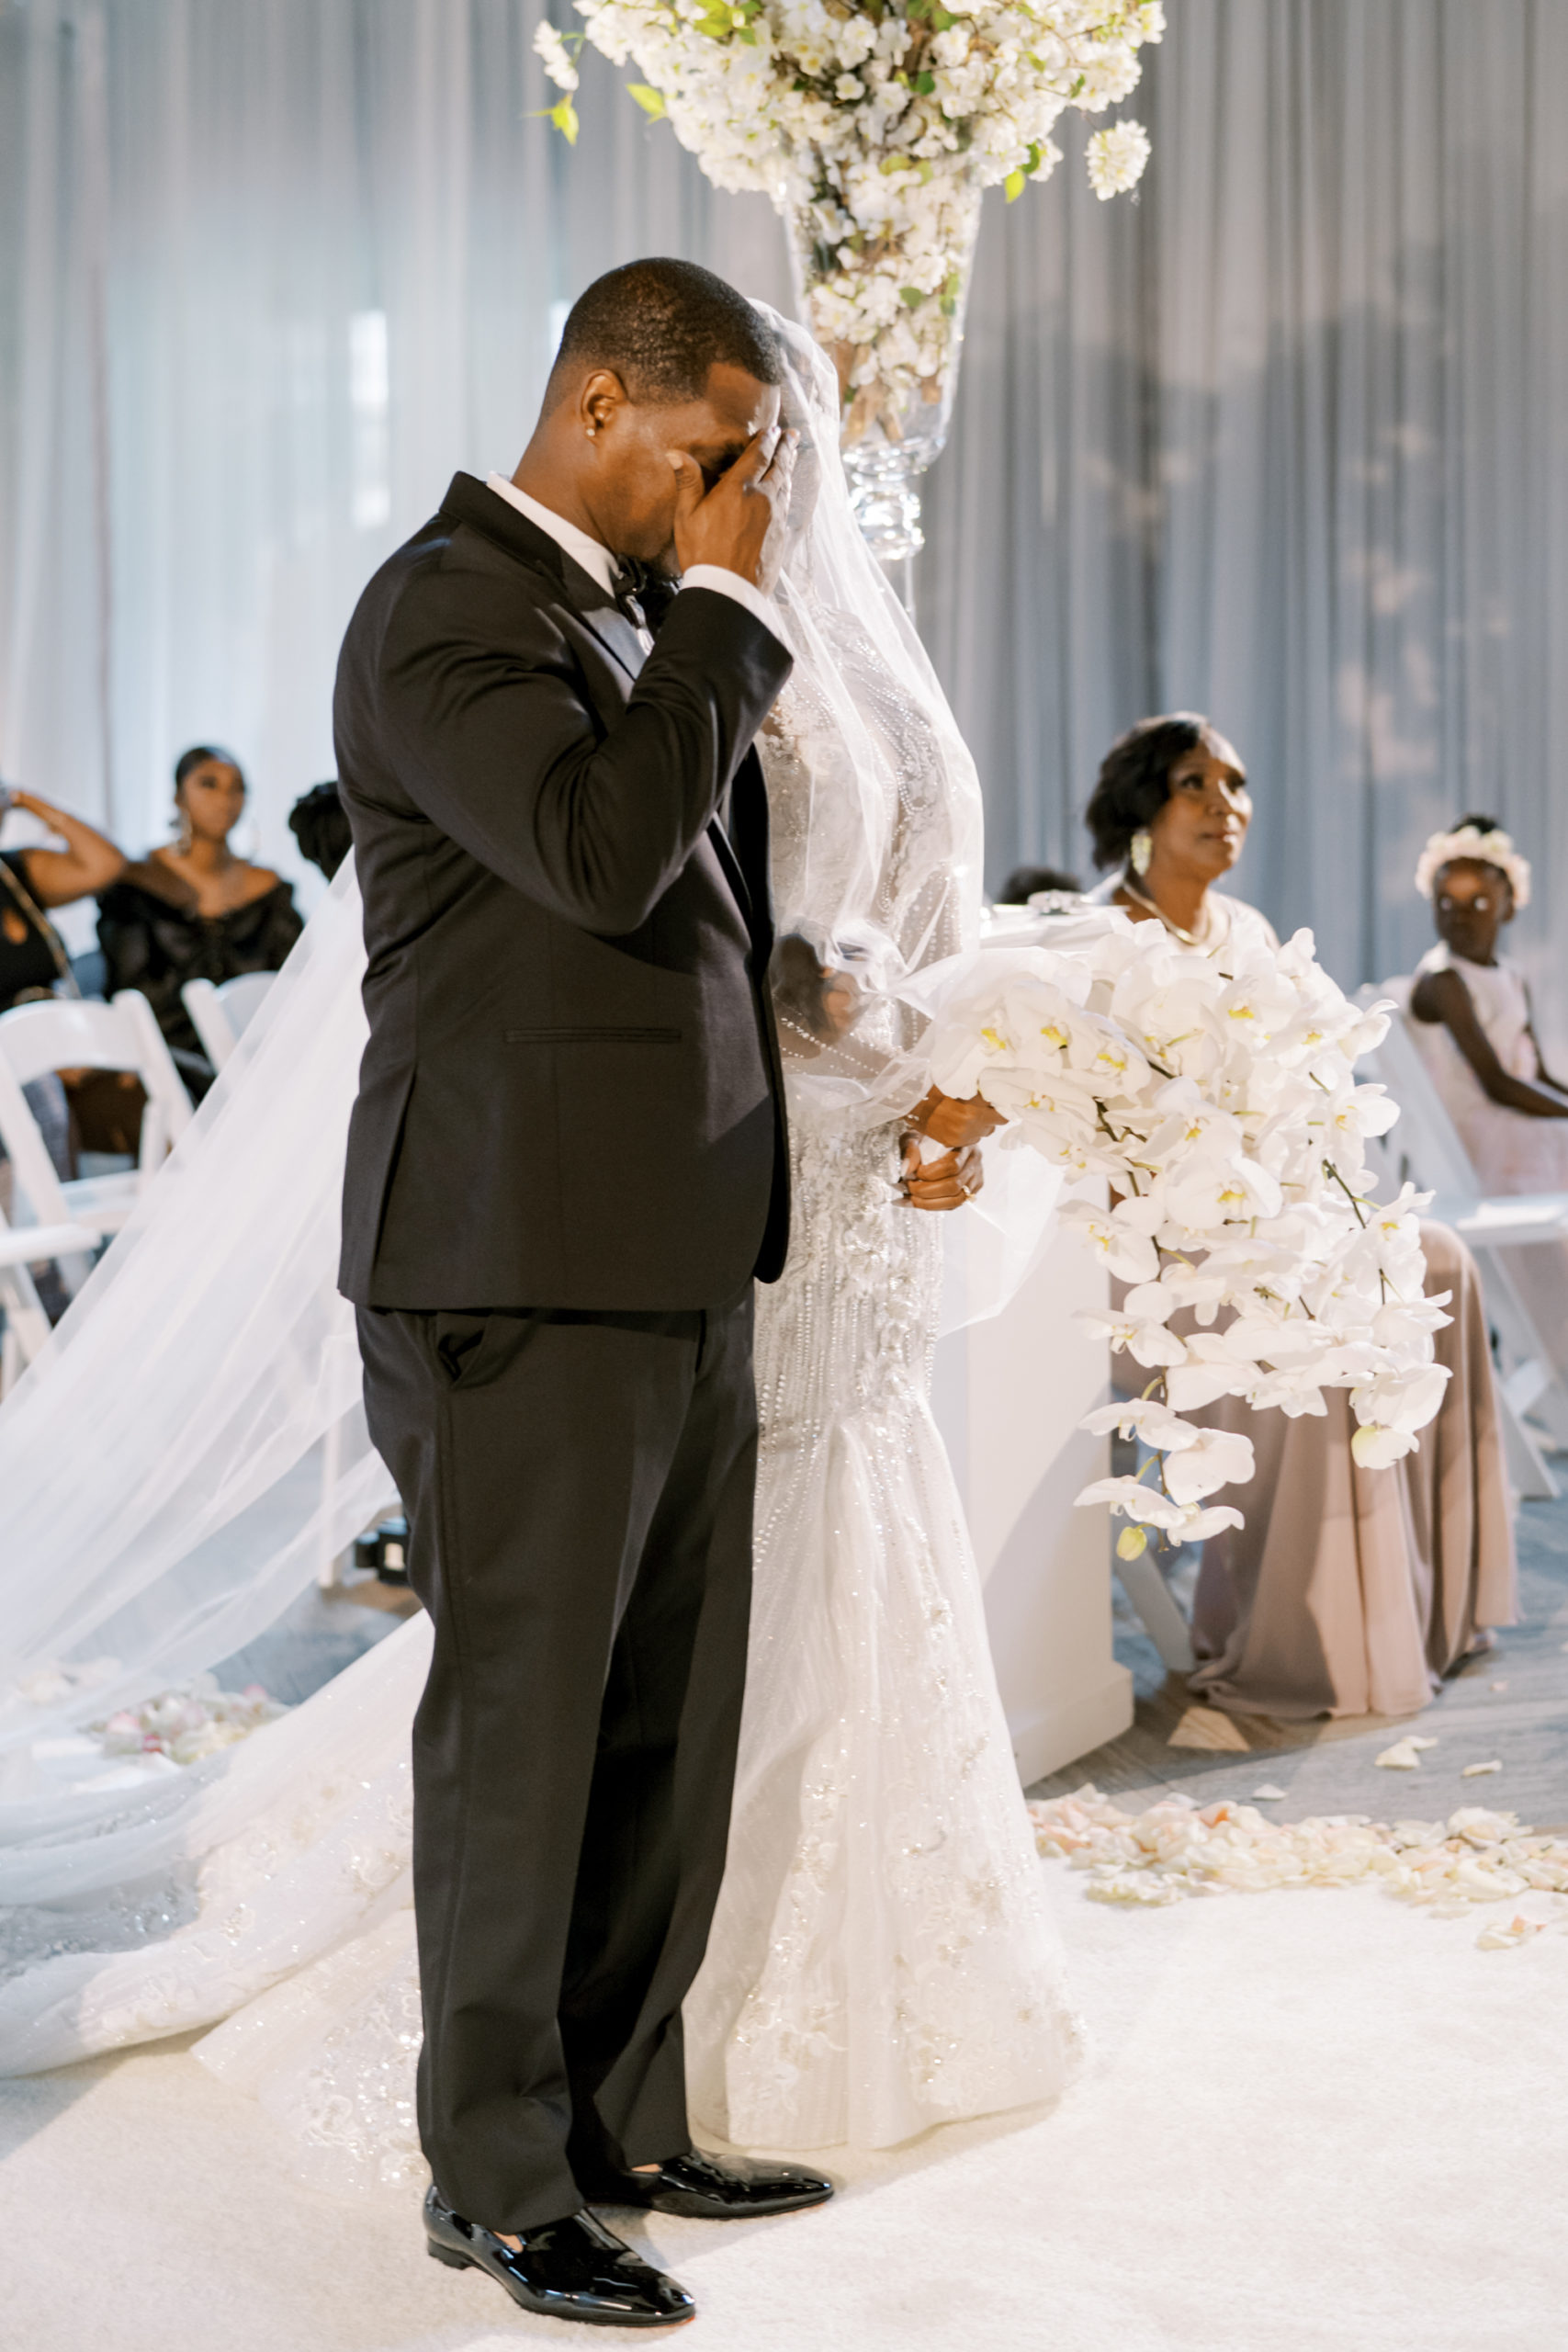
592,555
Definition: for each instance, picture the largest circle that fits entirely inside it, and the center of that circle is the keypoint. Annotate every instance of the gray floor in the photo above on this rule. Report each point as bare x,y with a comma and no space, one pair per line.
315,1638
1328,1768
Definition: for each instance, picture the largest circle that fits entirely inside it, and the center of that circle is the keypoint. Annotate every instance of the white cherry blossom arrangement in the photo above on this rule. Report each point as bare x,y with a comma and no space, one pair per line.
874,130
1217,1093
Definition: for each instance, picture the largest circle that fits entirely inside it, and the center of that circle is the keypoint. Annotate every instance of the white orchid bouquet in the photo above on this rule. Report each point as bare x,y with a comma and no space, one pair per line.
1218,1096
873,129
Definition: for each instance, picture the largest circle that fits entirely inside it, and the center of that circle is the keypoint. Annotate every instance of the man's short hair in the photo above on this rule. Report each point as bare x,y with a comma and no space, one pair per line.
660,326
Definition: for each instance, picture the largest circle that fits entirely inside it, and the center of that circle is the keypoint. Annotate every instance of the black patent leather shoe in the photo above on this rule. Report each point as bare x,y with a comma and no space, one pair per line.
571,2269
713,2188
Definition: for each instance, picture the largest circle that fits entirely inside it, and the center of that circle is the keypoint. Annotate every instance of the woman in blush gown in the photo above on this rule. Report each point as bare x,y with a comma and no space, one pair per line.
1348,1592
882,1959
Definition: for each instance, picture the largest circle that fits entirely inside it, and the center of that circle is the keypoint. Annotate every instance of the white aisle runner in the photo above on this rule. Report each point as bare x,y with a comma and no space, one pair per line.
1309,2120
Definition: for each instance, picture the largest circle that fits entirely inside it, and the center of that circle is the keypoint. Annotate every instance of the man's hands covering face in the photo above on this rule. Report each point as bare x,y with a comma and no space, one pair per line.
739,523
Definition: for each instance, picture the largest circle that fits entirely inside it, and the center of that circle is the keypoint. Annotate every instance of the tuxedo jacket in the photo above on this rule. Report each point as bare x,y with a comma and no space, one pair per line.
572,1094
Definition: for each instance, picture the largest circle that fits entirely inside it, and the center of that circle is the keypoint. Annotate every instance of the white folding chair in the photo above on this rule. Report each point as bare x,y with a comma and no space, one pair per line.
26,1324
57,1034
221,1014
1426,1148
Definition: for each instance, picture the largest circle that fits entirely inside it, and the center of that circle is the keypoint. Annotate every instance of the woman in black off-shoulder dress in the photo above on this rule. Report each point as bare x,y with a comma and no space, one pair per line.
195,910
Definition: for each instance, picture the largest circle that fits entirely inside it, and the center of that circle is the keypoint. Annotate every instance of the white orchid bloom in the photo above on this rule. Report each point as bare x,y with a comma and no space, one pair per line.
1391,1408
1291,1393
1147,1343
1129,1498
1189,1123
1258,1001
1215,1458
1204,1191
1130,1256
1179,1285
1152,1423
1207,1372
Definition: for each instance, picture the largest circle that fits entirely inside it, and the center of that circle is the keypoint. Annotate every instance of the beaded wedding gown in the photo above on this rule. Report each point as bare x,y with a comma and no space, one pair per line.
882,1959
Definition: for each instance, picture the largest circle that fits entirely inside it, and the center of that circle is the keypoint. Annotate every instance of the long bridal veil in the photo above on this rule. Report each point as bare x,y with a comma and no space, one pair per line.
162,1503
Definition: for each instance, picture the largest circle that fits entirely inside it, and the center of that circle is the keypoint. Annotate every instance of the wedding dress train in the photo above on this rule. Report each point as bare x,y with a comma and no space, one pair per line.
881,1959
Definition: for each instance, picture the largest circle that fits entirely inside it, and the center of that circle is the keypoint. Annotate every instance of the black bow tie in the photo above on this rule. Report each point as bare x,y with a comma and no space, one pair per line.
643,594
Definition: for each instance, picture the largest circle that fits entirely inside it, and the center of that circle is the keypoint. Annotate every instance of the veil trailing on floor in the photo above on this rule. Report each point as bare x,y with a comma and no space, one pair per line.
163,1461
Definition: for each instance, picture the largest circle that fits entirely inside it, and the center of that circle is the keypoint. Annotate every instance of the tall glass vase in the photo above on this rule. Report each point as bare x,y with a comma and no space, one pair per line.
895,346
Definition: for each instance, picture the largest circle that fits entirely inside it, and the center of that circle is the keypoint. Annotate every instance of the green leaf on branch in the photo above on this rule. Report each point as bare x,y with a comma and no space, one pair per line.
563,115
913,295
1015,182
650,100
923,85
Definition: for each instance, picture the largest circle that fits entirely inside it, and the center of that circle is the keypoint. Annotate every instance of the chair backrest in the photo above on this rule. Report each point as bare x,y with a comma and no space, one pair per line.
242,998
221,1016
64,1033
210,1019
1424,1144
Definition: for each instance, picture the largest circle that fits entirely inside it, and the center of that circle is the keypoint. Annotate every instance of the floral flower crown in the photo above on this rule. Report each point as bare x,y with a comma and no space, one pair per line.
1496,848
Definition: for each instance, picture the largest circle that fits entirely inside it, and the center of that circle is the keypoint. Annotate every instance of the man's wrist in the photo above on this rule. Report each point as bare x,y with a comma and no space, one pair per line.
725,583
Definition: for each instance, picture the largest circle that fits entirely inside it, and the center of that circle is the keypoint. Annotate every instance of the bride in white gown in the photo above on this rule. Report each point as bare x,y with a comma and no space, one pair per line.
882,1959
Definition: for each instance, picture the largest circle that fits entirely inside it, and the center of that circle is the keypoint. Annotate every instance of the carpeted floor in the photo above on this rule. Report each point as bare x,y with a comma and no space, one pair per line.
1307,2120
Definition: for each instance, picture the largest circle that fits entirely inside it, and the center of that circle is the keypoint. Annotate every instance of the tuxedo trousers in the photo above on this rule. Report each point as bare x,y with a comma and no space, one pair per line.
579,1487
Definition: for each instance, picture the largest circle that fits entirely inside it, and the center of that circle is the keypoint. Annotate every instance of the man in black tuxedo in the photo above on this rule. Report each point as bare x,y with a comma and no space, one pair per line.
567,1164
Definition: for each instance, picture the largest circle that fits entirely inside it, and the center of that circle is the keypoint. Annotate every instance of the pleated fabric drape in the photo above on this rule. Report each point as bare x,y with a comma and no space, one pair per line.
1286,440
269,275
1283,440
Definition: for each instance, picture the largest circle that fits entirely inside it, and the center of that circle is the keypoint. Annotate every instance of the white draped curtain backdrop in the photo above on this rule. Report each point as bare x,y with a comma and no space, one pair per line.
1285,440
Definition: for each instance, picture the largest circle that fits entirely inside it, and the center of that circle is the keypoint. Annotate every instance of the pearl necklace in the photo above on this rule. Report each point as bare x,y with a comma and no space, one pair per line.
1201,938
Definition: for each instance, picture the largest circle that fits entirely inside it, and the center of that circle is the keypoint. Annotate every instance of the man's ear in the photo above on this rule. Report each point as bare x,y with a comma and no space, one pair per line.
601,397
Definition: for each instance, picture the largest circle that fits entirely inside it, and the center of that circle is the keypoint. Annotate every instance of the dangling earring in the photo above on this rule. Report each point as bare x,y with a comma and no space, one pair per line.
1141,849
185,833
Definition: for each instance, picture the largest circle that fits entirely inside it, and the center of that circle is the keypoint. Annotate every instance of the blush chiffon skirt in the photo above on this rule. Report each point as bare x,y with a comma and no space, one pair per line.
1353,1592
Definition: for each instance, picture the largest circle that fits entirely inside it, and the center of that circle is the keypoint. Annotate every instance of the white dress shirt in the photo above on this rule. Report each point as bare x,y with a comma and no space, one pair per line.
599,564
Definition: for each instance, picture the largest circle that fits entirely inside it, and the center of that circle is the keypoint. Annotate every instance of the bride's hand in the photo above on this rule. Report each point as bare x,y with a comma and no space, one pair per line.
945,1184
947,1120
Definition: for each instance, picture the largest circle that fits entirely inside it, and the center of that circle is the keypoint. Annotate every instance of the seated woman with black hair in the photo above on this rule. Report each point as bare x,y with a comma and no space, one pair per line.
1472,1018
1473,1025
34,963
318,822
1348,1592
195,910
